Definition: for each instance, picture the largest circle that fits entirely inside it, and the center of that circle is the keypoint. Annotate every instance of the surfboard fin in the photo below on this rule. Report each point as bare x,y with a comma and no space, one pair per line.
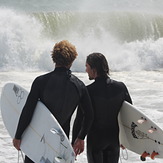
144,155
154,154
59,133
60,160
44,161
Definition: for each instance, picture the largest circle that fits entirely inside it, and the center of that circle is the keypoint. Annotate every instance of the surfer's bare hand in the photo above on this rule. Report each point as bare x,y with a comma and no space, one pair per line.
16,143
78,146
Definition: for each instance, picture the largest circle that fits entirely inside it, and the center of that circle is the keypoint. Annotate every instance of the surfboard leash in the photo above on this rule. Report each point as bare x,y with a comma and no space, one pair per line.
122,155
20,151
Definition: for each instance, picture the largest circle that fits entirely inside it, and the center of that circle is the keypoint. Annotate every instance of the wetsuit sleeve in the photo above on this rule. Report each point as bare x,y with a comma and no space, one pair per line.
127,95
28,110
77,124
84,117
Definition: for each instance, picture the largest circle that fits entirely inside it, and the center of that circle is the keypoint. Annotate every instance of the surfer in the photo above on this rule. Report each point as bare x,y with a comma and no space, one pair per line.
107,96
61,92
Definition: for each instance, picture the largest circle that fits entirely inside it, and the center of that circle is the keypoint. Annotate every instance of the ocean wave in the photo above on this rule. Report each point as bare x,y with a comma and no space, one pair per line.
125,26
129,40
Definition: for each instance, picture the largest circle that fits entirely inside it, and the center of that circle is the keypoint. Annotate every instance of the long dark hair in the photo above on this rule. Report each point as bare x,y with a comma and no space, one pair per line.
98,62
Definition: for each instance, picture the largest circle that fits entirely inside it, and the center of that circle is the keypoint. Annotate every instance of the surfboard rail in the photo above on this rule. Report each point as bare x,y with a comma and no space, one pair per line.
47,141
139,133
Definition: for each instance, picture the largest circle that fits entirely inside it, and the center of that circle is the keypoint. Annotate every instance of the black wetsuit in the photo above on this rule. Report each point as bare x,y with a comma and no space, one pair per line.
103,138
61,92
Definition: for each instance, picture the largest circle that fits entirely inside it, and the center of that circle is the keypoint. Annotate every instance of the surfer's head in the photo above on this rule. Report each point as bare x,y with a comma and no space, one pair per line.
64,53
96,65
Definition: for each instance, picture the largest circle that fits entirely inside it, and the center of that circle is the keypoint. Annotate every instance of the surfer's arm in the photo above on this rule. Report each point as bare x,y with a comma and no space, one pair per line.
78,146
28,110
82,124
16,143
127,95
87,110
77,124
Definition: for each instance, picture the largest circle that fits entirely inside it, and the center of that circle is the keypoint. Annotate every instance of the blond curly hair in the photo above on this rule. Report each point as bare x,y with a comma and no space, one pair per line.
64,53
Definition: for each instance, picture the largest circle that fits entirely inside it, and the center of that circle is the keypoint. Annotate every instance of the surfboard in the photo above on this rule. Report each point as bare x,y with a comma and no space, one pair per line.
44,141
139,133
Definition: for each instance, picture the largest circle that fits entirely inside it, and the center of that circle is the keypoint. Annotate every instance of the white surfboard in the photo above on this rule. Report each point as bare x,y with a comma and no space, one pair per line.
43,141
139,133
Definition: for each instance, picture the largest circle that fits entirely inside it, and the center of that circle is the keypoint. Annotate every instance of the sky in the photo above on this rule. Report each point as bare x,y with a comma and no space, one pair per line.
84,5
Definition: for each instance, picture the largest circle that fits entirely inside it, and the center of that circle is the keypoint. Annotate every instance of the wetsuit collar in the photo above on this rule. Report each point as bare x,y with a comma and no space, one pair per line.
61,69
99,78
102,78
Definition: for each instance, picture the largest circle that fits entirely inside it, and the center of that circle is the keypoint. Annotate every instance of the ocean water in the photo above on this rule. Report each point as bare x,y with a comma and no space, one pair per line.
145,87
128,33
